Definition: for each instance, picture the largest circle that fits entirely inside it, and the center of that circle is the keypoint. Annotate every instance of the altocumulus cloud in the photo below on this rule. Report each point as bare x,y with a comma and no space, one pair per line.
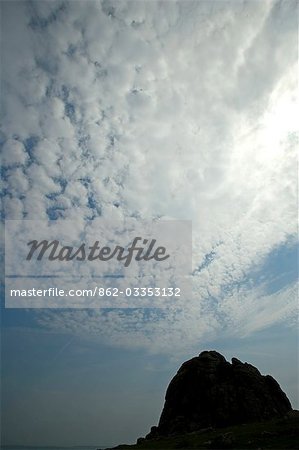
160,109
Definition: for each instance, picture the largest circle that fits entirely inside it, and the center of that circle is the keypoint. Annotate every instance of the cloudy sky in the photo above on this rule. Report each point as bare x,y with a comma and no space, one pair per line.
146,109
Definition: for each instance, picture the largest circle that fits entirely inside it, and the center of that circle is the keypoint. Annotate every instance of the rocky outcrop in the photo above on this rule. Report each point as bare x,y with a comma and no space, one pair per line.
208,391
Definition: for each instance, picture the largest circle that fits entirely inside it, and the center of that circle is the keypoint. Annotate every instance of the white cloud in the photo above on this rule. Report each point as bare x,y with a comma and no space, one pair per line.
13,153
177,109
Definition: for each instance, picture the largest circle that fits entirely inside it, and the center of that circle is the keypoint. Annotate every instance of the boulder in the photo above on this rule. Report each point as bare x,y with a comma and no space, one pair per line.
208,391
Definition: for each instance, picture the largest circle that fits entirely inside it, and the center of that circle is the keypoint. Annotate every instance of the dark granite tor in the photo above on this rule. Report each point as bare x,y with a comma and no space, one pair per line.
208,391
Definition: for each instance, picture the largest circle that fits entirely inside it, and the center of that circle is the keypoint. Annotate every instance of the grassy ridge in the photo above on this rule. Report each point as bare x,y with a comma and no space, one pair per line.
274,434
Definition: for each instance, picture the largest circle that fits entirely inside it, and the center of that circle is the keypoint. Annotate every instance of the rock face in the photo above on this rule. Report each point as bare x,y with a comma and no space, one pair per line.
208,391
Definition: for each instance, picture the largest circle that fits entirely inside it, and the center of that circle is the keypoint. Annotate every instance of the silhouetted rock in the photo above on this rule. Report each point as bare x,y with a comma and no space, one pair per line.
208,391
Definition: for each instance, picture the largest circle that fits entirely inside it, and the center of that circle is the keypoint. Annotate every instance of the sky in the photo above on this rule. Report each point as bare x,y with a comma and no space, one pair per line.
150,110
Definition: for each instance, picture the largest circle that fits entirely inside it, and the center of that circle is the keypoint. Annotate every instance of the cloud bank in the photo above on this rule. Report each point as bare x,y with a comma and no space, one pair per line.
181,110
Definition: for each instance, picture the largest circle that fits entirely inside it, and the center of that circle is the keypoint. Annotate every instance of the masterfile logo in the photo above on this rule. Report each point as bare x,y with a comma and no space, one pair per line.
55,251
97,263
